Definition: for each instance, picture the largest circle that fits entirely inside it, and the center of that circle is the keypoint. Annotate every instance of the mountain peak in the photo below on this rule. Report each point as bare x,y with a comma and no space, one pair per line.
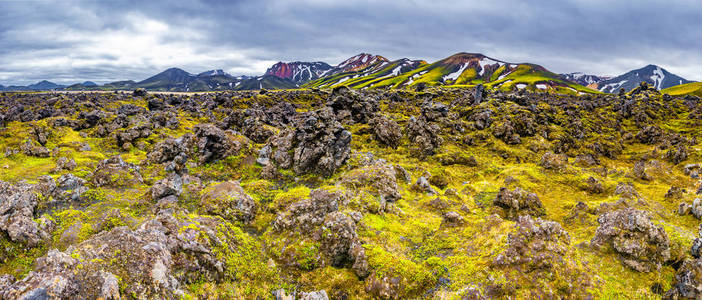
217,72
463,57
467,55
44,85
175,70
299,72
654,75
587,80
361,61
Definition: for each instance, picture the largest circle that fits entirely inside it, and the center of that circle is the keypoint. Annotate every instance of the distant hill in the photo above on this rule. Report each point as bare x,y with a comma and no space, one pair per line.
269,82
585,79
44,86
170,79
125,84
655,76
88,85
39,86
175,79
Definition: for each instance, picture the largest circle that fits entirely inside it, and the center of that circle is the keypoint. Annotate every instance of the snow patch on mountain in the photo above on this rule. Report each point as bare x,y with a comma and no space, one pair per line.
658,77
454,75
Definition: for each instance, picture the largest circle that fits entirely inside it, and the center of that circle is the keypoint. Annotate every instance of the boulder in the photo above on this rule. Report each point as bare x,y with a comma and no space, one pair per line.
505,131
594,186
32,148
140,92
166,150
688,281
69,188
639,171
626,190
422,185
424,137
337,238
518,202
534,244
674,192
309,213
482,118
551,161
115,172
229,200
172,185
386,131
641,245
378,178
209,143
344,101
130,110
17,204
676,154
256,130
64,163
696,208
318,144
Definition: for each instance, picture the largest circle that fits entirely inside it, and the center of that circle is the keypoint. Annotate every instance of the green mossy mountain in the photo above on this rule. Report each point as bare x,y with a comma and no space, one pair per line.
461,70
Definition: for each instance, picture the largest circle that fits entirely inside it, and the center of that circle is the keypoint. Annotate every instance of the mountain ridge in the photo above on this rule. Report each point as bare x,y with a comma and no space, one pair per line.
365,70
459,69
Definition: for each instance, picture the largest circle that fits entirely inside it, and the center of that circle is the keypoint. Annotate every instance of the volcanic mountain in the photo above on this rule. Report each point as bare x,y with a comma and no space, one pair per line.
173,78
298,72
655,76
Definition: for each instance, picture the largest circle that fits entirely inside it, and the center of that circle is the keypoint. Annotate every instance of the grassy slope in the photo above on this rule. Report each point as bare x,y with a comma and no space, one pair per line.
362,78
694,88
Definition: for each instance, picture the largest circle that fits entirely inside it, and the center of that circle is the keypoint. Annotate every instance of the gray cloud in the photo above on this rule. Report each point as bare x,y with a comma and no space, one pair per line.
72,41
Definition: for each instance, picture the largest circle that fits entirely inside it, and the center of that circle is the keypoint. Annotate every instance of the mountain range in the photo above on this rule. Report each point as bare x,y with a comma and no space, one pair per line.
374,71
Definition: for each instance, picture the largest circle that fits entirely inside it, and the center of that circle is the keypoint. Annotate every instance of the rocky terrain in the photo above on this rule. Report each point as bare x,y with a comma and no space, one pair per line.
448,193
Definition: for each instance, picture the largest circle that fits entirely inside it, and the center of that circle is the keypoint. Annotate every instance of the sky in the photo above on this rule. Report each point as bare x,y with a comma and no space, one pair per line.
108,40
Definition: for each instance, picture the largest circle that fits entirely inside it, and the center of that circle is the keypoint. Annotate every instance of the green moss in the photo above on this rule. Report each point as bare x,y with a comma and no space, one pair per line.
415,277
245,262
284,199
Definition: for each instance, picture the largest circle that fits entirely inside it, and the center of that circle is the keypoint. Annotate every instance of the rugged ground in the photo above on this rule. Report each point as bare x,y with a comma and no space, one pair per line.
437,193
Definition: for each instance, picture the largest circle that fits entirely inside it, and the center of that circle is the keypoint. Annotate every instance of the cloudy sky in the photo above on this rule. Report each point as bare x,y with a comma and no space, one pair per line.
71,41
